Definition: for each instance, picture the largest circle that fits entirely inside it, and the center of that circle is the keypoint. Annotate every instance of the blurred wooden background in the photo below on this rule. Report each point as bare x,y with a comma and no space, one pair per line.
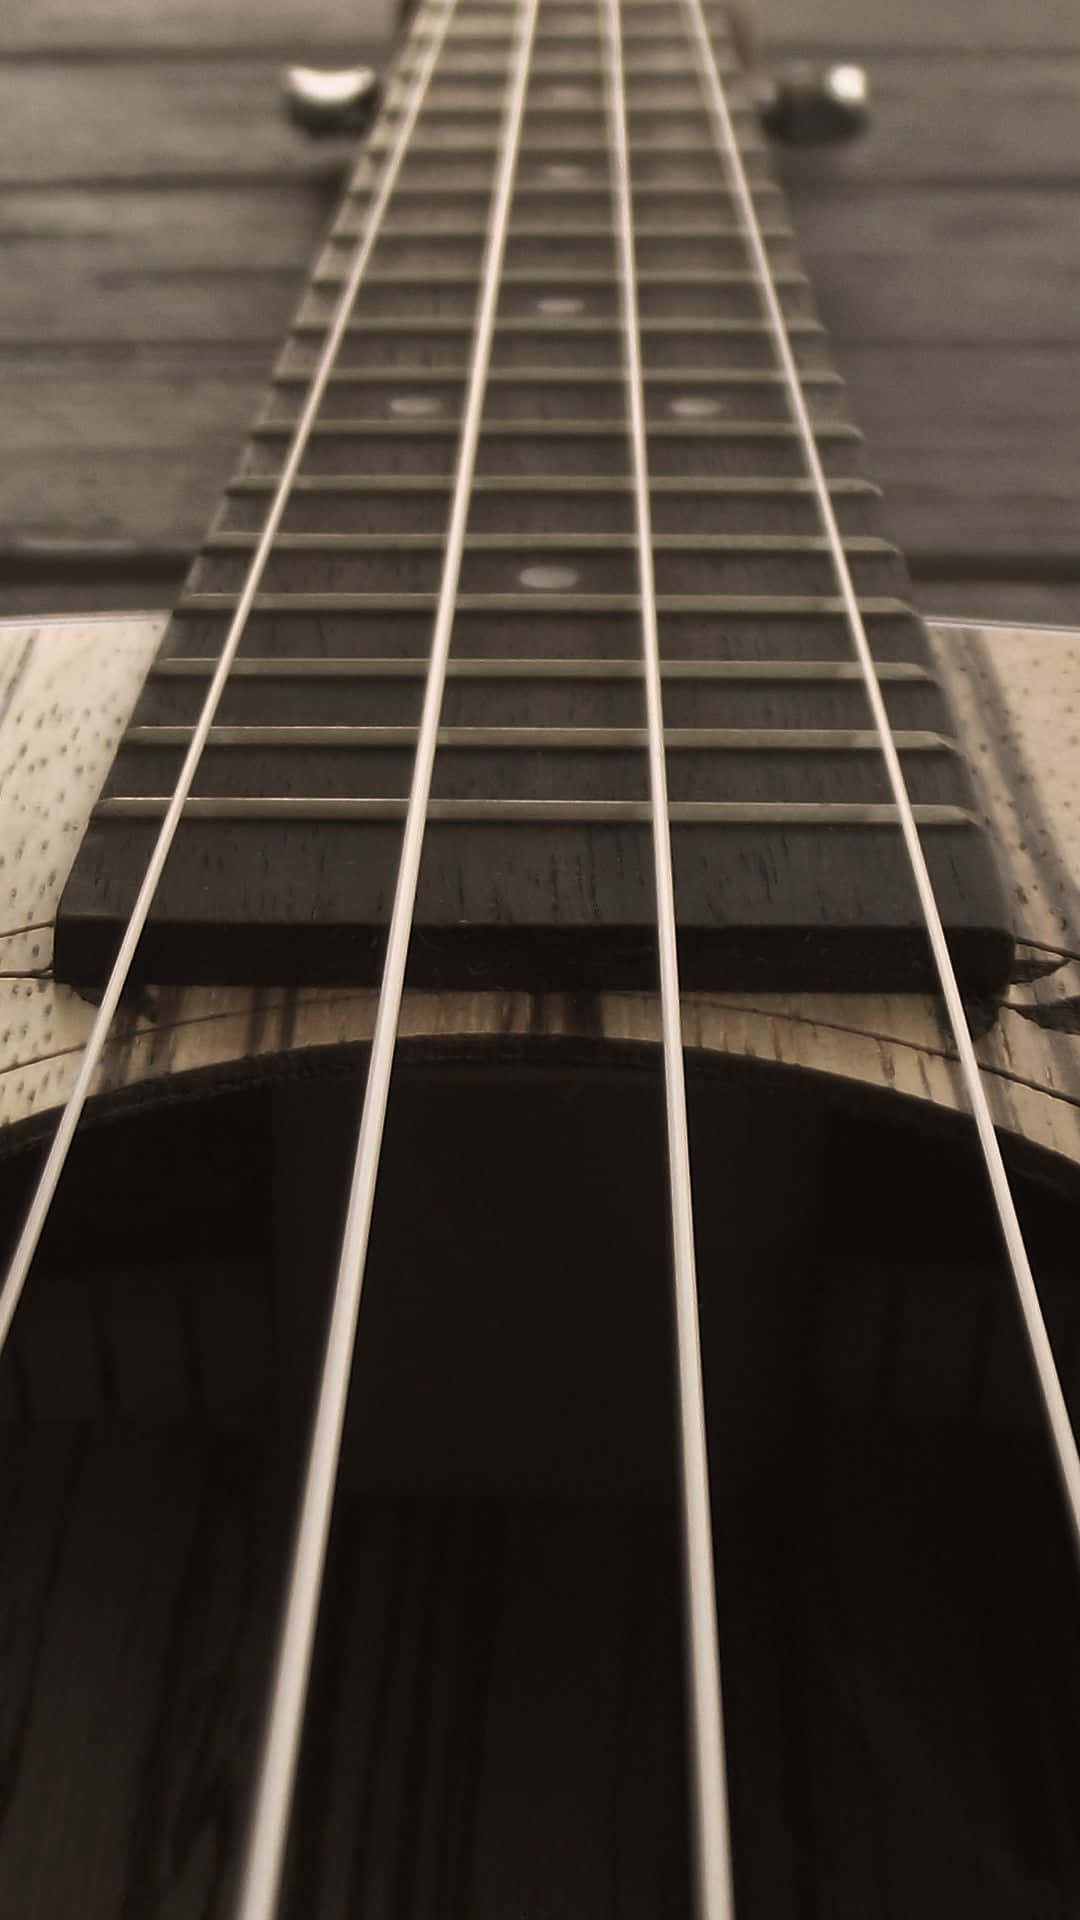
157,216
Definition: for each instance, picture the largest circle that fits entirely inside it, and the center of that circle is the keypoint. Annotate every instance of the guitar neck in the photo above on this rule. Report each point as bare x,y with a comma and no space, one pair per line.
537,867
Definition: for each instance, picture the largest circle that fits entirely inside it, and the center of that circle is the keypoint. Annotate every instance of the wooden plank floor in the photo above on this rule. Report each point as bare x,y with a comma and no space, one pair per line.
157,217
944,249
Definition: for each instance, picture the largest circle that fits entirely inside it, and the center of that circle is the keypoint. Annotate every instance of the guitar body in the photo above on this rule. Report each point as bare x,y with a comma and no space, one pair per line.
1012,688
496,1712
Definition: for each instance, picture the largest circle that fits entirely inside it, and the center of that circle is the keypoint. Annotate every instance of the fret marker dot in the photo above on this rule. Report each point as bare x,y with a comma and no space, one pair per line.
562,171
548,578
695,406
415,406
568,95
560,306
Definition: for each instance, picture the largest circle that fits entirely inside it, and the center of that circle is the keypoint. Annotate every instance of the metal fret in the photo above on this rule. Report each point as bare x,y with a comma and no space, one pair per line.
560,377
569,33
449,230
476,65
437,191
546,121
315,667
367,328
565,276
525,429
575,146
548,739
510,324
767,543
754,605
447,100
367,483
536,253
681,813
565,41
433,192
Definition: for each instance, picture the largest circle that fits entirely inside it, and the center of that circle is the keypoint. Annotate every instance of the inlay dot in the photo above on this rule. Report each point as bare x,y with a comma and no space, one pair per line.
695,406
548,577
415,406
568,94
563,171
560,306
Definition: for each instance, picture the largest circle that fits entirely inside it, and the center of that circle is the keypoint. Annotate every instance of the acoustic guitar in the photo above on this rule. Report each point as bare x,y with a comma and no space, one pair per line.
539,1081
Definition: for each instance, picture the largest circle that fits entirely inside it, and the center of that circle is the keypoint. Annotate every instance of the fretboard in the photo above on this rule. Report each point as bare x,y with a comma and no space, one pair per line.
788,862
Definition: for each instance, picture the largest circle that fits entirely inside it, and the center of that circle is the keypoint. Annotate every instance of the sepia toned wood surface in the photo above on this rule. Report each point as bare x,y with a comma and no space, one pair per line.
158,216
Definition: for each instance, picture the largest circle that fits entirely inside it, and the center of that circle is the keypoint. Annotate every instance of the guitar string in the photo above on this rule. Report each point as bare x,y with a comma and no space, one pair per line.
708,1780
60,1146
284,1726
1063,1440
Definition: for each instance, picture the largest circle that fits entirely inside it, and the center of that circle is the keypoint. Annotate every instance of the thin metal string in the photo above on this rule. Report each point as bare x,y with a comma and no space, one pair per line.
714,1895
56,1158
1063,1440
269,1828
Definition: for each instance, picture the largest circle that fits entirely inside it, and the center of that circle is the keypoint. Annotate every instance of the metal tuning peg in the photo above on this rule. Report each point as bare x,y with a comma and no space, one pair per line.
324,101
812,106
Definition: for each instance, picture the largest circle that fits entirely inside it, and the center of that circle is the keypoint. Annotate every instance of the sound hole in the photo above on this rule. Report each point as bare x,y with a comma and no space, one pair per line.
496,1720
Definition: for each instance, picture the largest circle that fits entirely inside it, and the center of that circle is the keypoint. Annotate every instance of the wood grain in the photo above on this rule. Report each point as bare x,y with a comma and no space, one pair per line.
952,115
849,26
192,216
44,29
181,118
212,264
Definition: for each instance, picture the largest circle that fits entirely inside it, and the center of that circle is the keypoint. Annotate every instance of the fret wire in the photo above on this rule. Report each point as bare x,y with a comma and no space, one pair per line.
465,229
763,605
568,277
433,191
464,36
1062,1438
478,148
683,813
546,483
284,1725
546,739
568,376
539,667
378,428
462,100
643,68
708,1773
561,329
239,541
298,436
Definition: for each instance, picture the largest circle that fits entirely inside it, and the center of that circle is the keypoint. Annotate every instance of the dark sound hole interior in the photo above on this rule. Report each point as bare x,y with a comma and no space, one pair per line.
496,1721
